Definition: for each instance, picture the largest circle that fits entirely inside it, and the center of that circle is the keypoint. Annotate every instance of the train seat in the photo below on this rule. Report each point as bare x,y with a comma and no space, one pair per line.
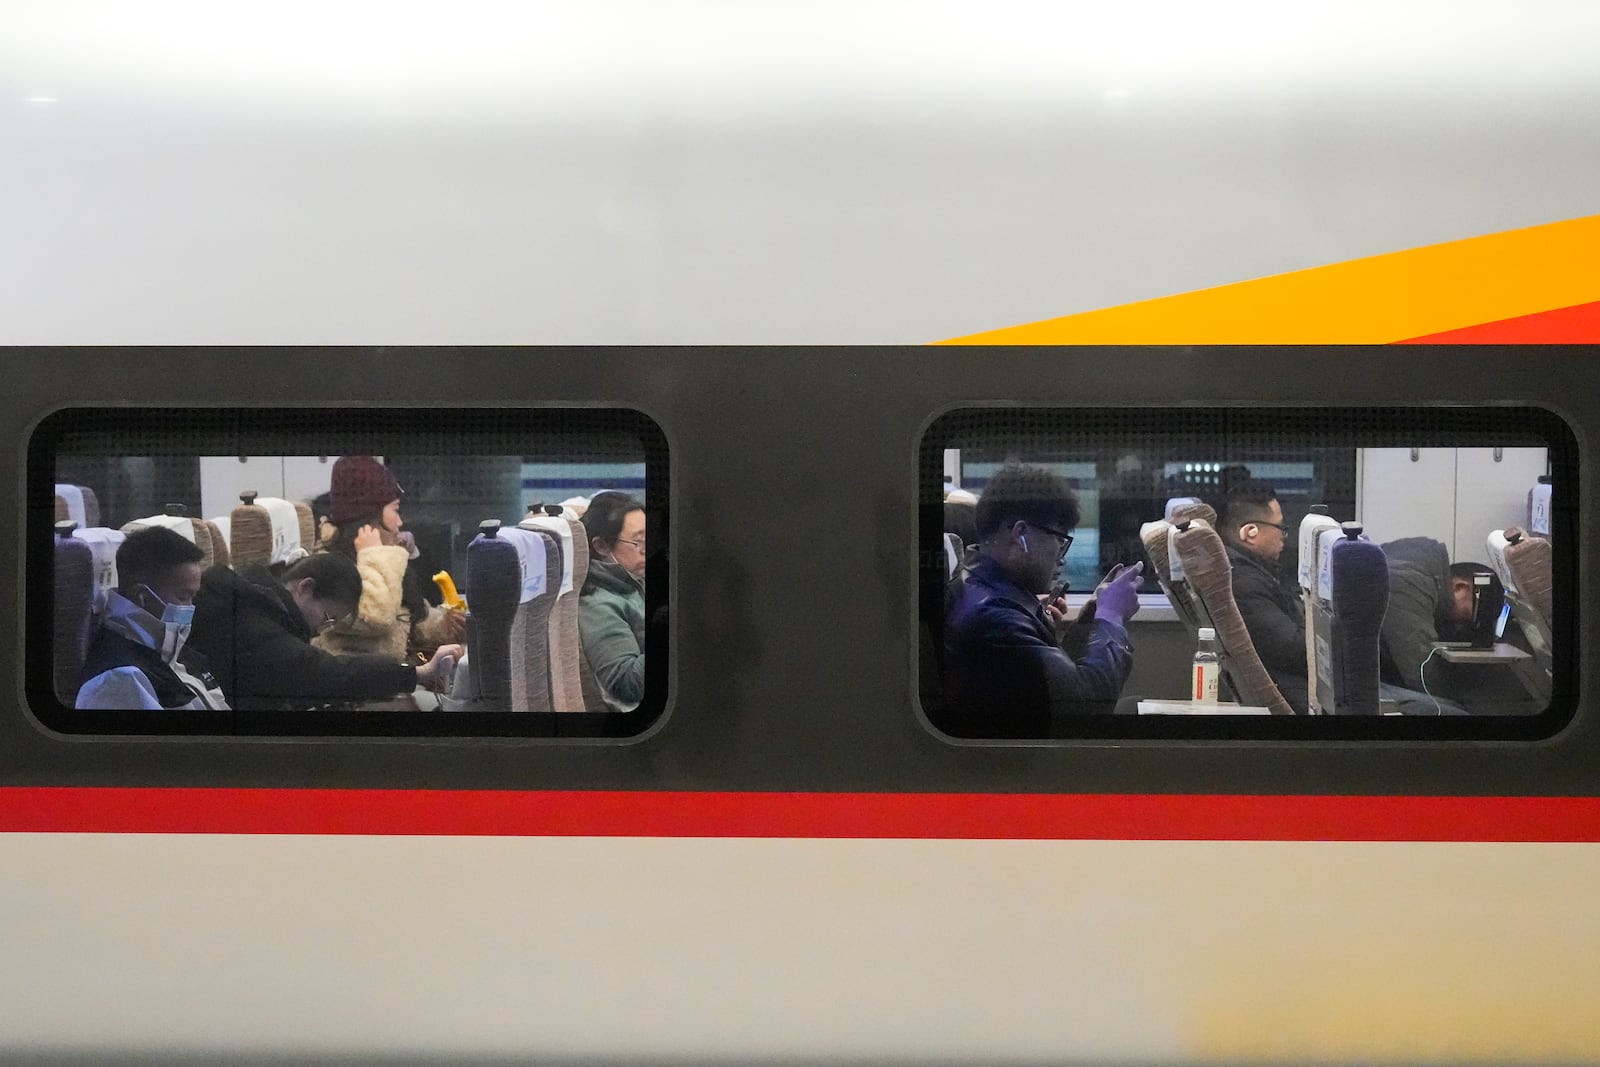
222,526
221,555
1191,506
1312,527
307,521
953,551
194,530
1209,575
103,543
1539,509
1352,596
513,578
265,530
1157,540
78,503
566,642
73,610
1524,566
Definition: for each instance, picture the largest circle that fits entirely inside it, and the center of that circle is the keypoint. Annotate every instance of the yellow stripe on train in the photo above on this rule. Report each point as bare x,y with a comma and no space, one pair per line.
1376,300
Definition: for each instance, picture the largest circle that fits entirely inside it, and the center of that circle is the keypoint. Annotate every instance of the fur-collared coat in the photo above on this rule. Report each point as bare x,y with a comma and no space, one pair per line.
382,624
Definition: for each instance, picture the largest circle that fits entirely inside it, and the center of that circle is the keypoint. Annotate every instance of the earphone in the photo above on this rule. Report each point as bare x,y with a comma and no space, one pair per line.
1024,541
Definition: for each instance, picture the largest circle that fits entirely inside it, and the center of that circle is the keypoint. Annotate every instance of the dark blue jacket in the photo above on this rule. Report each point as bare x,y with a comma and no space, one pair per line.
1005,672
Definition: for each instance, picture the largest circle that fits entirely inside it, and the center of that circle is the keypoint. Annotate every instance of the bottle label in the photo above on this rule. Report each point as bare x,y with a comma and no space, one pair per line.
1205,683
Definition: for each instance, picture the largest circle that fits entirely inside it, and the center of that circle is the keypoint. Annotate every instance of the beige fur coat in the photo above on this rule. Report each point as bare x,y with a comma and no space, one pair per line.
381,623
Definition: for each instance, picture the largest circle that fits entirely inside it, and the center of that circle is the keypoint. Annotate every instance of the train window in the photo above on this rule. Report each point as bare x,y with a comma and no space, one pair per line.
1247,573
324,572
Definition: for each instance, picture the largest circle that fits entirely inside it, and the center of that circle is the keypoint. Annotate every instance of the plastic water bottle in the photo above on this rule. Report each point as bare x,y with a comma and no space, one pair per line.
1206,665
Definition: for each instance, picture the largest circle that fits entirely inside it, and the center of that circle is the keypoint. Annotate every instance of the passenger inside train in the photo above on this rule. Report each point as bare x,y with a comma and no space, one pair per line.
1244,562
139,656
1014,663
325,587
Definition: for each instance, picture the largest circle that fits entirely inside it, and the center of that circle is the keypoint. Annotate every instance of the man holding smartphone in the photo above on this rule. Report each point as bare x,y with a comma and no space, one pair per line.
1007,668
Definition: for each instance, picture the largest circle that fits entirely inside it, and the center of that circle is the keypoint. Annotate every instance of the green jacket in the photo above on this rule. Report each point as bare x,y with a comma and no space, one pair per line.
611,621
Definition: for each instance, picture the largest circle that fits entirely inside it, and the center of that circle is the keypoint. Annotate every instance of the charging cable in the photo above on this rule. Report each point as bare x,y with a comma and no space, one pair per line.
1422,672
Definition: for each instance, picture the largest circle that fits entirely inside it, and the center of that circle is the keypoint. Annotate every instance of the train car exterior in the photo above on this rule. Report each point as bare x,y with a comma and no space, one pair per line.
1206,204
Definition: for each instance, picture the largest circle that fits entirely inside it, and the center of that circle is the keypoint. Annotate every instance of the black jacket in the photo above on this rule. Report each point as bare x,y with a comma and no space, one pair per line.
258,645
1276,619
1005,672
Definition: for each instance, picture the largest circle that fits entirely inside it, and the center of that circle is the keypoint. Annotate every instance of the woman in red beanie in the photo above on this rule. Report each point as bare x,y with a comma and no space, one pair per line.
394,617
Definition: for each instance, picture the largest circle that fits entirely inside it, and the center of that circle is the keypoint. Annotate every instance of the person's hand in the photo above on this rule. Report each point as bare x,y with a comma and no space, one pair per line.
436,673
368,537
1055,610
1117,597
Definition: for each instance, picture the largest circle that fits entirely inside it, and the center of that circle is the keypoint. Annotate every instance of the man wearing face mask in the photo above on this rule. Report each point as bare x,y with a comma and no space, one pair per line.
137,659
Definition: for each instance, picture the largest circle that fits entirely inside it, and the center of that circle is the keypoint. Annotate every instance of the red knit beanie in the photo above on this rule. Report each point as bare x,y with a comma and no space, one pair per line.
361,486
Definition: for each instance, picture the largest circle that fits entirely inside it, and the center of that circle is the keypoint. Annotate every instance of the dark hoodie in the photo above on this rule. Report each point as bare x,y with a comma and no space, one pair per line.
259,647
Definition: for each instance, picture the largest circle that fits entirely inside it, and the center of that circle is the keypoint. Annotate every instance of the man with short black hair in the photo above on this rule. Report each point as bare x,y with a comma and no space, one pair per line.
138,660
256,630
1006,671
1254,532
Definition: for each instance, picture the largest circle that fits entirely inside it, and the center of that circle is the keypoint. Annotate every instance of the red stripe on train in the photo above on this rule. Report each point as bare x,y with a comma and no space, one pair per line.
1577,325
798,815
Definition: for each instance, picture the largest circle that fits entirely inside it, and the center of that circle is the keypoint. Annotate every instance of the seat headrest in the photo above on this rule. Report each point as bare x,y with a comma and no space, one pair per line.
1326,539
72,496
560,529
103,544
1177,502
1539,509
532,553
1497,542
176,523
1311,530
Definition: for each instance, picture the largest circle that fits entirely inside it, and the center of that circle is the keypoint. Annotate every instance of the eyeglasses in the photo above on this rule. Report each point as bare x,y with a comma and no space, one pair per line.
1280,527
329,621
636,544
1064,538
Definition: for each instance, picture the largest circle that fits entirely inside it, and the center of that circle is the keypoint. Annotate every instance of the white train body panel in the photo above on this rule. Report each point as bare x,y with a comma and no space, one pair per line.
699,173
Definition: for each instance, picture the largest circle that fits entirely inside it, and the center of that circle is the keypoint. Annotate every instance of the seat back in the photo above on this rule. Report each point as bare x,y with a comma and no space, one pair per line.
222,528
220,555
1352,599
1157,540
566,643
1539,509
1312,527
78,503
1170,574
195,530
265,530
73,609
307,522
953,551
1210,575
1524,566
103,544
513,577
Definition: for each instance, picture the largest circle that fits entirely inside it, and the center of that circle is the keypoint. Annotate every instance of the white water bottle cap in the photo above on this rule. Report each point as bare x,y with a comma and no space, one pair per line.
1207,634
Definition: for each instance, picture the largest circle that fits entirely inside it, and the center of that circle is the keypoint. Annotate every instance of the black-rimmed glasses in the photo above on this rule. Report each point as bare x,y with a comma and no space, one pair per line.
1064,538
